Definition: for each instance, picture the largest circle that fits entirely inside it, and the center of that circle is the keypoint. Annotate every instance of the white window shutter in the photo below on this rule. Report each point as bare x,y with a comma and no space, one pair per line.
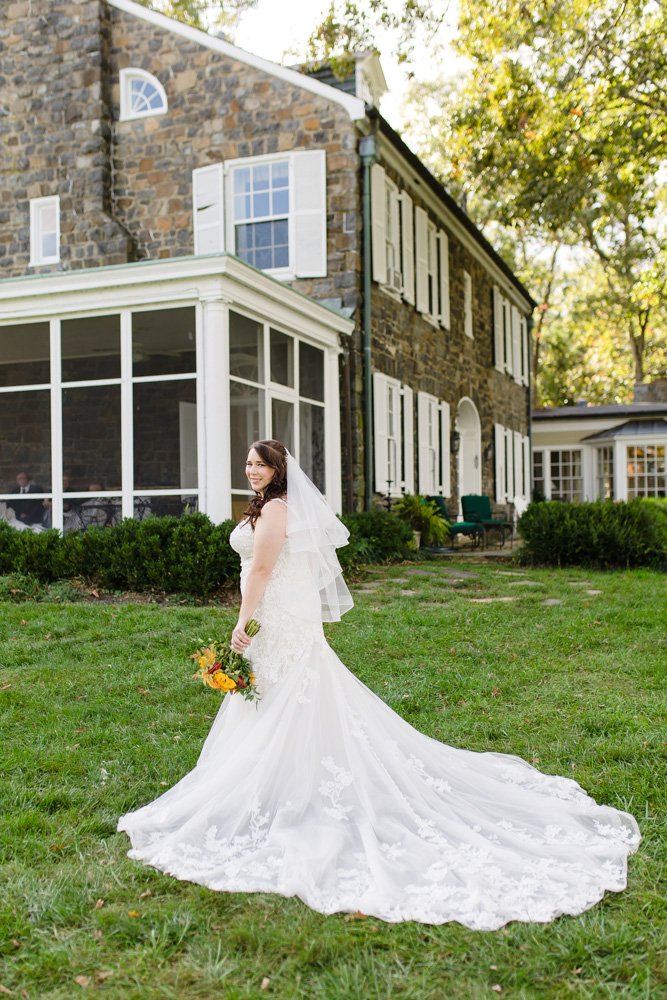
408,440
516,345
408,248
380,432
524,351
518,466
507,336
379,223
445,456
421,256
207,209
309,196
499,449
527,477
498,347
509,464
443,261
422,441
467,303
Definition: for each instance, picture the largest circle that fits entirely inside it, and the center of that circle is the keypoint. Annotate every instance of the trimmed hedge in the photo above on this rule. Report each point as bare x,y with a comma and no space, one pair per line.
187,555
603,534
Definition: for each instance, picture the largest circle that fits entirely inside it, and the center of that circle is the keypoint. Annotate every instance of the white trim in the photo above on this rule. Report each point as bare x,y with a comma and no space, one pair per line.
407,247
354,107
126,414
129,74
37,206
445,450
467,304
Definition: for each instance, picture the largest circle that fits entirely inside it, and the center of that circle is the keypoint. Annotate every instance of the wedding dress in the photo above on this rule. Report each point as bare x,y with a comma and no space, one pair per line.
321,791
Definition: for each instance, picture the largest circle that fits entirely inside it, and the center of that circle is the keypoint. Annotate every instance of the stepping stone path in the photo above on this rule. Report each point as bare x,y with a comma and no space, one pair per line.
579,583
594,593
507,572
491,600
551,602
407,593
421,572
460,574
525,583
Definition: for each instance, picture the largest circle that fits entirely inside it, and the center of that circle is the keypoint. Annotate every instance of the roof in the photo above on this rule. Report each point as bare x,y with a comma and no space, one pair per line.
631,428
450,203
611,410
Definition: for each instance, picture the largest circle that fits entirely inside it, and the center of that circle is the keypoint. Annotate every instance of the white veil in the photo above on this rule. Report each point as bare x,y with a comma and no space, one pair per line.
314,531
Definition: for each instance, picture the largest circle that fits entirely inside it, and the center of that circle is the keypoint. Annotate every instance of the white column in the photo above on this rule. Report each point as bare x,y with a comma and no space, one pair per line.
332,469
213,440
620,470
56,429
126,414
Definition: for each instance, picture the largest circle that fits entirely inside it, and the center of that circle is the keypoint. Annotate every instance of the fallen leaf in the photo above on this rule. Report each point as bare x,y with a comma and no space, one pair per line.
97,934
133,913
5,687
265,983
101,976
82,981
81,729
164,784
16,942
56,848
99,903
3,989
494,967
577,972
23,621
143,691
47,636
144,894
497,988
495,692
356,916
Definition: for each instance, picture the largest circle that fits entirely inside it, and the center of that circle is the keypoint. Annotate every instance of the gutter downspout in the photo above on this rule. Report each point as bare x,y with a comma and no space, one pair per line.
530,323
368,153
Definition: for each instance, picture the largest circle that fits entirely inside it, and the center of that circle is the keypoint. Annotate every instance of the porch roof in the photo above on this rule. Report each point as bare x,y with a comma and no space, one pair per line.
631,428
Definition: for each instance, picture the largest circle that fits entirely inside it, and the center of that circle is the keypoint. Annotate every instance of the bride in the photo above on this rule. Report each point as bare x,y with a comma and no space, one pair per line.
321,791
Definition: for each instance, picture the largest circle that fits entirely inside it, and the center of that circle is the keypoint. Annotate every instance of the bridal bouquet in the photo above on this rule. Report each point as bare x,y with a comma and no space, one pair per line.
222,668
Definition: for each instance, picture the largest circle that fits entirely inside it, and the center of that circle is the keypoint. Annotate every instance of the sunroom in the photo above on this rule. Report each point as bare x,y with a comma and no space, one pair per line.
134,390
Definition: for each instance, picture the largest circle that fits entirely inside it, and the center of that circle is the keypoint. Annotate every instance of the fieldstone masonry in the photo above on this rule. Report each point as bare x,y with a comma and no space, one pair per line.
126,188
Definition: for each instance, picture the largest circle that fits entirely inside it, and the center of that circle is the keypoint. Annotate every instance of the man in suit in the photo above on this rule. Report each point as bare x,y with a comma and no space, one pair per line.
27,511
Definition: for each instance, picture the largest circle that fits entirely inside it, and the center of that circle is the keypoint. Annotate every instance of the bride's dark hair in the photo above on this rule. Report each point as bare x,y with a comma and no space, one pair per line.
274,454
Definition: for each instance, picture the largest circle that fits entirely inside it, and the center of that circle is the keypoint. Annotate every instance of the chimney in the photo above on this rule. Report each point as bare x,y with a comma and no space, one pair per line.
651,392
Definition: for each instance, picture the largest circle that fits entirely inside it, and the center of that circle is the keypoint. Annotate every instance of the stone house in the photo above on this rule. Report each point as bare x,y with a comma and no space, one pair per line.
610,452
200,247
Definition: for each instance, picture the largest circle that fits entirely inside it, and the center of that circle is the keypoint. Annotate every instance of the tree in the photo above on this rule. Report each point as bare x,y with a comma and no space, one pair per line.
558,132
204,14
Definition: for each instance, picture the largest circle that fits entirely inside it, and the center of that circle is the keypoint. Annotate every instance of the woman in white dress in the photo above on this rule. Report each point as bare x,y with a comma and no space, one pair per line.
321,791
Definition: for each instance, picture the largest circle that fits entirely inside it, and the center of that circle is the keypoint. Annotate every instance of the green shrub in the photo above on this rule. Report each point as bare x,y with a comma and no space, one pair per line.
602,534
375,536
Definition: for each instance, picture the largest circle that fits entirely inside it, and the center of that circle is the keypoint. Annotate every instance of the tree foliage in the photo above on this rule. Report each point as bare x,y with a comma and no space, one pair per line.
557,133
208,15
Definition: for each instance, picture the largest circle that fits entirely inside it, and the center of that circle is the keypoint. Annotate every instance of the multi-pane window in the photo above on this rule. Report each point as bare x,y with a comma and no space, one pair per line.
45,230
538,475
646,471
276,391
141,95
565,474
432,270
605,473
393,237
261,207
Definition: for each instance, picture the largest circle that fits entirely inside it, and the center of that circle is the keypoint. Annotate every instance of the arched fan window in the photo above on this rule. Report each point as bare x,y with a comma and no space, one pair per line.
141,95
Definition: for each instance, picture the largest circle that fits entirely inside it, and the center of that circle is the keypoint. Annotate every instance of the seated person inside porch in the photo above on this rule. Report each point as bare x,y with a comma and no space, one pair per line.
98,511
27,511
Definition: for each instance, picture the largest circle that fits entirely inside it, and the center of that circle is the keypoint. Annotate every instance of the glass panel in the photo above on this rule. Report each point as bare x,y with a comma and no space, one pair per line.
90,348
311,372
24,354
246,347
164,506
247,423
49,245
163,342
282,358
91,438
282,422
165,435
311,428
80,513
25,456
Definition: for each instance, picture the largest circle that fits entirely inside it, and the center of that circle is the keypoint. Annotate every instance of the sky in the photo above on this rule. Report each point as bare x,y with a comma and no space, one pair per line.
273,28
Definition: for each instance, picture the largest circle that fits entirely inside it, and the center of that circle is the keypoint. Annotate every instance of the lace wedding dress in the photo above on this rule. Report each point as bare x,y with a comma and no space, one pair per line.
321,791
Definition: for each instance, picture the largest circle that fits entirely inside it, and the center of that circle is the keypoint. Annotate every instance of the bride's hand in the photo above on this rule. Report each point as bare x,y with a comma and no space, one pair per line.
240,639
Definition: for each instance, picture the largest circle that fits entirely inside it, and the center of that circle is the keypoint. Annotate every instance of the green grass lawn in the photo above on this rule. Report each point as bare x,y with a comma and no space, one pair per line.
99,715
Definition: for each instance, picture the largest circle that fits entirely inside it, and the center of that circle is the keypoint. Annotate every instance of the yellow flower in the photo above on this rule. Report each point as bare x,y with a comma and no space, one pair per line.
223,682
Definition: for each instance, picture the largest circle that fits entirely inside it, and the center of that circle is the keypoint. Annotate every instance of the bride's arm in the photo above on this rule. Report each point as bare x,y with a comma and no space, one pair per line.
268,541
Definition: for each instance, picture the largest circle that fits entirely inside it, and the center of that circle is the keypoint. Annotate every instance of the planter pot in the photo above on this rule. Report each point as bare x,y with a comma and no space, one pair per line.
416,539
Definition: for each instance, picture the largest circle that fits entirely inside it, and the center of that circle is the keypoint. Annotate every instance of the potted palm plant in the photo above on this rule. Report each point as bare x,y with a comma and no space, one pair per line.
424,518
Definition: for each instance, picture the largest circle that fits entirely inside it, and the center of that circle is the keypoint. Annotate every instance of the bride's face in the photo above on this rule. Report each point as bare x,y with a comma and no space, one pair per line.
258,472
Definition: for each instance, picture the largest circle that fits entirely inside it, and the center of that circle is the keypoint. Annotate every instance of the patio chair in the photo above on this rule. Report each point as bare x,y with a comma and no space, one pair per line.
471,529
477,509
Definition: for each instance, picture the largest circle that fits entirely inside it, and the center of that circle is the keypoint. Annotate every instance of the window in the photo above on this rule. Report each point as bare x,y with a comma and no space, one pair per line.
467,304
566,482
432,276
45,230
605,473
386,211
510,339
538,476
277,390
646,471
393,238
428,438
141,95
261,204
387,427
